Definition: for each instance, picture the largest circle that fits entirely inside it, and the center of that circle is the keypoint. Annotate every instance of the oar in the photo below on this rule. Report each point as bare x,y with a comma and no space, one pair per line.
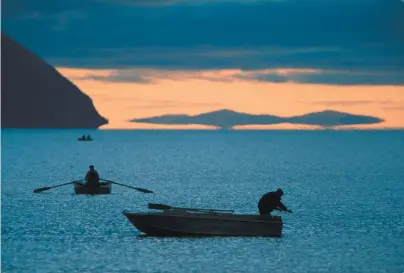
135,188
281,210
48,188
166,207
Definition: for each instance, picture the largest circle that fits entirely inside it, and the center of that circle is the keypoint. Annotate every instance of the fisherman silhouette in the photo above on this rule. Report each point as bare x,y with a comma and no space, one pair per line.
92,178
271,201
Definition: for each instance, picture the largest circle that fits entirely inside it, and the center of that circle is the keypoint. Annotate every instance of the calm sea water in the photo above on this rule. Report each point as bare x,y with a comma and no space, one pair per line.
346,190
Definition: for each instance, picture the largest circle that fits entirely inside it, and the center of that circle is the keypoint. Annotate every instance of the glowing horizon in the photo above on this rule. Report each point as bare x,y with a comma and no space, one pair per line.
191,93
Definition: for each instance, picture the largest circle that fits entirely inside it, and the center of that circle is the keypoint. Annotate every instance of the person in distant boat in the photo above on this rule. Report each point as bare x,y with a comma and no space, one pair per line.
88,137
271,201
92,177
83,137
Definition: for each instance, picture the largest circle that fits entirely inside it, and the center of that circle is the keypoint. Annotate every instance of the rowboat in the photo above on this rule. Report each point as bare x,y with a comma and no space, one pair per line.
180,222
104,188
84,139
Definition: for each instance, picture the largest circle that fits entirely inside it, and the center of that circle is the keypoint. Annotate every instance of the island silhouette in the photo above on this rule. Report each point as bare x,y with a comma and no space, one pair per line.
35,95
227,119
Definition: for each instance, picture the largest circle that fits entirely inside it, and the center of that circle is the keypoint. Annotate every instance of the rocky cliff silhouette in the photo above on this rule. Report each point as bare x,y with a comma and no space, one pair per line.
227,119
35,95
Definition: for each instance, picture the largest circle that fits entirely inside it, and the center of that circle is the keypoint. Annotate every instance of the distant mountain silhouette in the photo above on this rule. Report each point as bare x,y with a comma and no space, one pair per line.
35,95
227,119
331,118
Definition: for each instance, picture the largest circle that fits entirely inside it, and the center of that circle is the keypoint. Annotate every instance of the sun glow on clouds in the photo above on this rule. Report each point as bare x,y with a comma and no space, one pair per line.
136,93
150,75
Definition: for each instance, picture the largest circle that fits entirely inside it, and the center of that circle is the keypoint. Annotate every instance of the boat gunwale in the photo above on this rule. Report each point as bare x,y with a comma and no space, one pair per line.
102,184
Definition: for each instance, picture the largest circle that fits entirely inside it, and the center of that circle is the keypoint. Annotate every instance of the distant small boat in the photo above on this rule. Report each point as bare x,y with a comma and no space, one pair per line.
84,139
176,223
104,188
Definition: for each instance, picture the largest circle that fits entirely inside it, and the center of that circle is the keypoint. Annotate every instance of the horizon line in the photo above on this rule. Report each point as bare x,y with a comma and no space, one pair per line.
215,129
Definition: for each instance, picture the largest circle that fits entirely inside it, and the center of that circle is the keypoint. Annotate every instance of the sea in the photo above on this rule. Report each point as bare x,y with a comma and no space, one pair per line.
345,188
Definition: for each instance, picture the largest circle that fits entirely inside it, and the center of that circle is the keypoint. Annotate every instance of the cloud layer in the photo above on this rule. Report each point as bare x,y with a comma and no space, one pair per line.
279,75
355,42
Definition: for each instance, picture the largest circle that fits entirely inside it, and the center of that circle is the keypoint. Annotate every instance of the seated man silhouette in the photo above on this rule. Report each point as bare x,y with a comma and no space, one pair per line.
271,201
92,178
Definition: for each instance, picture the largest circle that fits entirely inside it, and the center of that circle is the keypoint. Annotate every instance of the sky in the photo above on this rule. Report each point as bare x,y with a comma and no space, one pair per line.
143,58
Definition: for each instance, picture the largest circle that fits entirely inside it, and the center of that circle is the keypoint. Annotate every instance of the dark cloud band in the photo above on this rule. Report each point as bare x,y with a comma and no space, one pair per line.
355,35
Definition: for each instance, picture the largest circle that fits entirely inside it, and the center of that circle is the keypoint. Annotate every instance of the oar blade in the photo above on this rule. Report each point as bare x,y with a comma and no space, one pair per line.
131,187
158,206
42,189
144,190
48,188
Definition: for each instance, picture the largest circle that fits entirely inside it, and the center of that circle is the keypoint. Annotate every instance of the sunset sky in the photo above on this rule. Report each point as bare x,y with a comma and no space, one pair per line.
142,58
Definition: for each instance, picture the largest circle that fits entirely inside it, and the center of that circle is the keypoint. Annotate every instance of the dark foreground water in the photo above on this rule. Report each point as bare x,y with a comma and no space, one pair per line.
346,190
